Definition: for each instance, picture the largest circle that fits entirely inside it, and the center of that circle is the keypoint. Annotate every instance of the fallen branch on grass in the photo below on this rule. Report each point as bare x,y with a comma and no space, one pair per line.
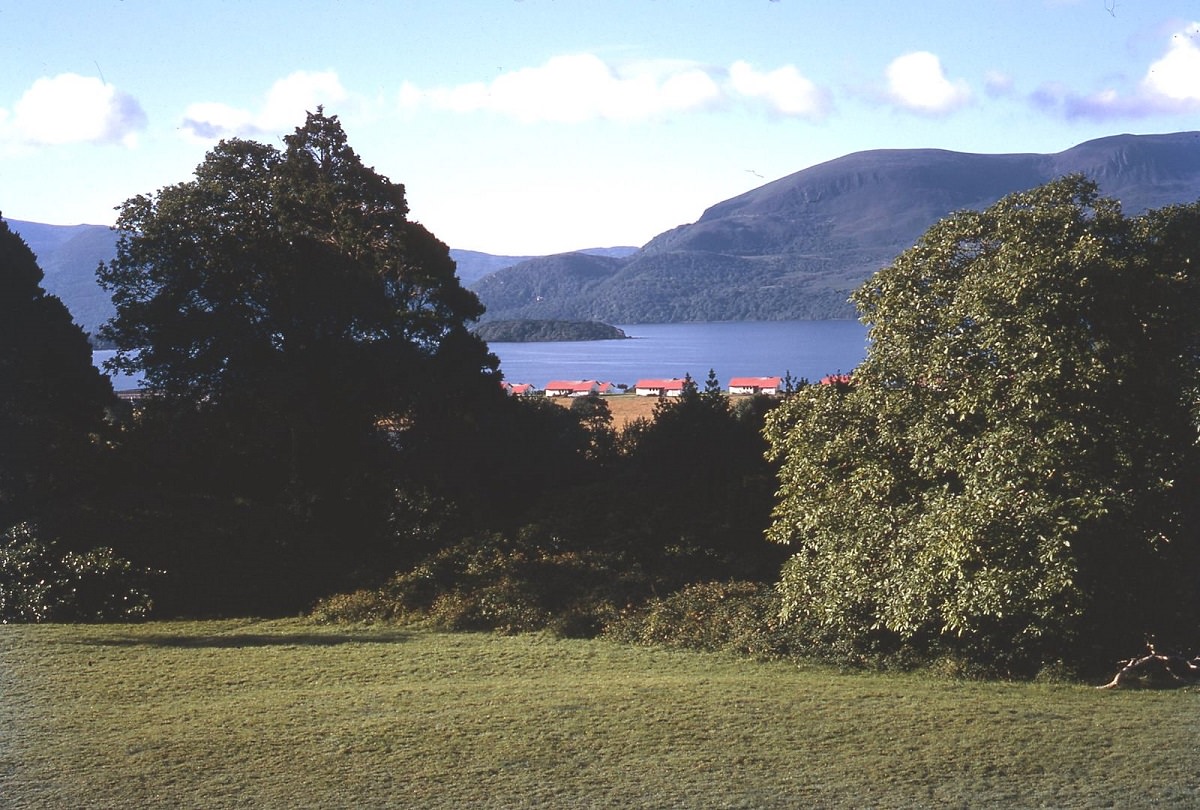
1156,670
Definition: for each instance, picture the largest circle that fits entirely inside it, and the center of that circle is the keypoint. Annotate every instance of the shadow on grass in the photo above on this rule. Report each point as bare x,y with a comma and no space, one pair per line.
238,641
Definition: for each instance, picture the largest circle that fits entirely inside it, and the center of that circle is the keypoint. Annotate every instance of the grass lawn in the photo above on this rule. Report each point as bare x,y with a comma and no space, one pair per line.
284,714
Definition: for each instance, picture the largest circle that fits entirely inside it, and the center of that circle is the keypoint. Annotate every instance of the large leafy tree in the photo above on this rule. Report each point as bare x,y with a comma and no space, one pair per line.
697,480
286,311
52,399
1012,475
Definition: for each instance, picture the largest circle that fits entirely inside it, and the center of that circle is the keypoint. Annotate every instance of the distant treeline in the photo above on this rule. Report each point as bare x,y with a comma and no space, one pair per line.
535,331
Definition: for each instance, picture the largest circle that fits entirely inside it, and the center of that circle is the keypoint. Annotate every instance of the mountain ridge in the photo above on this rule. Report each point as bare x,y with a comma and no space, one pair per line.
794,248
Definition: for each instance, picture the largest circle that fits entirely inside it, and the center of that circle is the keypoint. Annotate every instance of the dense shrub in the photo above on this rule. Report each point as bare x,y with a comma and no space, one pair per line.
493,583
40,585
739,617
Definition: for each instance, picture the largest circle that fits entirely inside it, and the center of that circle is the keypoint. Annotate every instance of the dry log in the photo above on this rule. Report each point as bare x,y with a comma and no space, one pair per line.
1156,670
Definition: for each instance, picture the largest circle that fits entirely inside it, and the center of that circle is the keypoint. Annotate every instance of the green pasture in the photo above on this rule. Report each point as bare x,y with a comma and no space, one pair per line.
291,714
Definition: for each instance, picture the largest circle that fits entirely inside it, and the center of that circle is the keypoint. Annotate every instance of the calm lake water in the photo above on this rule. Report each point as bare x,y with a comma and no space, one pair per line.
807,349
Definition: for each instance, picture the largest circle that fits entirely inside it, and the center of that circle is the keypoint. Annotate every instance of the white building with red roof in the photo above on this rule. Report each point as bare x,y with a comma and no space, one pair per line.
659,388
755,385
576,388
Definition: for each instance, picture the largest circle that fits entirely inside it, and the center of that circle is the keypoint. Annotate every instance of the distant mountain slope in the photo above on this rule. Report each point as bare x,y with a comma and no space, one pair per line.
796,247
473,265
69,255
555,278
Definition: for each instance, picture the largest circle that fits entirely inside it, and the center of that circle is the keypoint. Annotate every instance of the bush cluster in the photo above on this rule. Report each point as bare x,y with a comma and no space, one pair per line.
736,616
41,585
490,582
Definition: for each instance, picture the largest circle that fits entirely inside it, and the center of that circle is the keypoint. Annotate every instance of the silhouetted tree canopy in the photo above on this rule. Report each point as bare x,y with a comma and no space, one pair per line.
52,398
285,310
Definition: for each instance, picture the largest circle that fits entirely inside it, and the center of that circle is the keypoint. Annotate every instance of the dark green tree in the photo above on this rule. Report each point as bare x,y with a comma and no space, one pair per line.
712,387
498,466
791,385
696,474
296,330
52,399
595,416
1011,475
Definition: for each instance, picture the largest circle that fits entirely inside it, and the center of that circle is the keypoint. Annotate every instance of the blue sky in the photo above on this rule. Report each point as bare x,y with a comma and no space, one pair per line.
534,126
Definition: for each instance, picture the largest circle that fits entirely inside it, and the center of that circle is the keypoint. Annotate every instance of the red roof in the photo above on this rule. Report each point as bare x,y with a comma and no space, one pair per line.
841,379
755,382
571,385
673,384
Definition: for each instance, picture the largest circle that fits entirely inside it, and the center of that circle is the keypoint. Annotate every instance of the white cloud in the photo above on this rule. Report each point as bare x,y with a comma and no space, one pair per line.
1176,76
575,88
784,90
582,87
690,89
290,98
283,108
567,89
917,82
69,108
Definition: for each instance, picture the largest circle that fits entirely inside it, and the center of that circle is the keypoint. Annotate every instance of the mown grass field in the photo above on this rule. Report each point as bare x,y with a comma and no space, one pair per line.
287,713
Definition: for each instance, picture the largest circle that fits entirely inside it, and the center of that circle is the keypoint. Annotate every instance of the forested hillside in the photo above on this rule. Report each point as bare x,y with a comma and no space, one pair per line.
69,255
